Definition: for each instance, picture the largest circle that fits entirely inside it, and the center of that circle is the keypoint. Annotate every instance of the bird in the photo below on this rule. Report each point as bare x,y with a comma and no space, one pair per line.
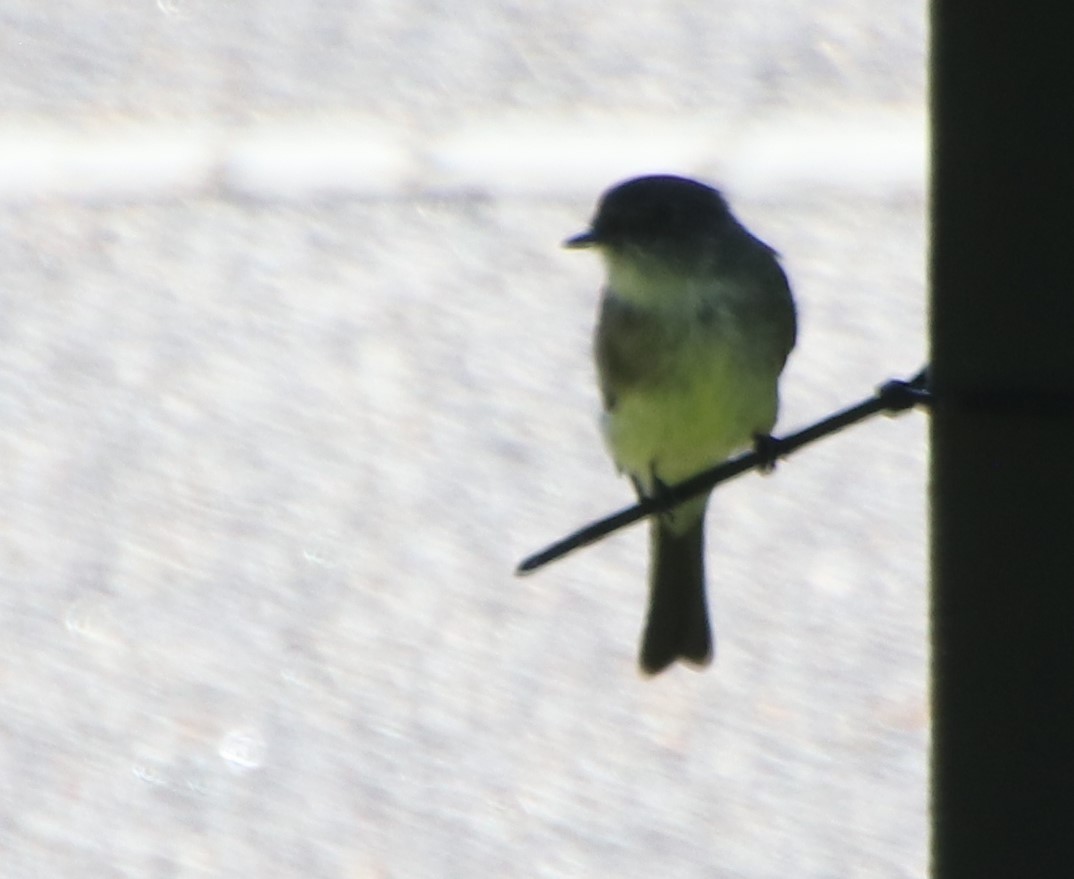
695,324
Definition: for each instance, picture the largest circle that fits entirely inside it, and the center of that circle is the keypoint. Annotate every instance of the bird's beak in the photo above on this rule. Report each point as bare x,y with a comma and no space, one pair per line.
583,239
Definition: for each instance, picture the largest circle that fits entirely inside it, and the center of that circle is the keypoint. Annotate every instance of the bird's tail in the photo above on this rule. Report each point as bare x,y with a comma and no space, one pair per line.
678,624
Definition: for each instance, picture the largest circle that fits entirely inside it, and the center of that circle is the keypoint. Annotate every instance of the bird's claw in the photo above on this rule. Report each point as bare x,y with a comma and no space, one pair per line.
766,447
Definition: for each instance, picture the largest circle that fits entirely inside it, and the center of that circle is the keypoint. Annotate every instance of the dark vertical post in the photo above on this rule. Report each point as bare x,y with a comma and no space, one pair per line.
1003,440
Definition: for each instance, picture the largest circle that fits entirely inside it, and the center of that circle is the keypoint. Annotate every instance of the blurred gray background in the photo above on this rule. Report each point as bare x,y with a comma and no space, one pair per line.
293,372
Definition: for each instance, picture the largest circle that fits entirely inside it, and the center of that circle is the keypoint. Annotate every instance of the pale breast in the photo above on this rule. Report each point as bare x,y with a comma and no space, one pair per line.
682,391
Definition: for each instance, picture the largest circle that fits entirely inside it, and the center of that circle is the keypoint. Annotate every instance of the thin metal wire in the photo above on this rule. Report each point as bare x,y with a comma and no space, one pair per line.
892,397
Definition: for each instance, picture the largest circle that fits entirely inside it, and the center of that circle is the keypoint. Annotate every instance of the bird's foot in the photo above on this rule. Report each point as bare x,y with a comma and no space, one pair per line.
766,447
658,490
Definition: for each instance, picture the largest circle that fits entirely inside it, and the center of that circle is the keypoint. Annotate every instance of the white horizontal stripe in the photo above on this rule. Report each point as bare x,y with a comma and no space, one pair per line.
294,158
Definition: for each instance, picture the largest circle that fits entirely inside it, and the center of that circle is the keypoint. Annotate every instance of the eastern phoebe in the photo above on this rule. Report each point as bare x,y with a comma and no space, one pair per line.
696,322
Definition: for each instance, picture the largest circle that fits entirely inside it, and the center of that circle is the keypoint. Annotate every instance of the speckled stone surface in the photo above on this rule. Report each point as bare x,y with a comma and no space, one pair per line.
270,448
